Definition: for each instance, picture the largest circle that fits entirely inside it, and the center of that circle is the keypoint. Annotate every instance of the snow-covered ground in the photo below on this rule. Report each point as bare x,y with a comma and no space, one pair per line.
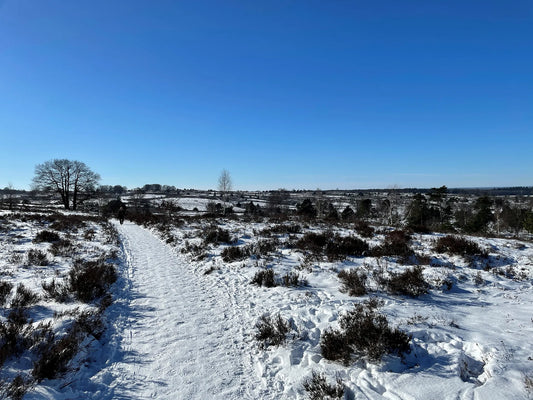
469,342
183,321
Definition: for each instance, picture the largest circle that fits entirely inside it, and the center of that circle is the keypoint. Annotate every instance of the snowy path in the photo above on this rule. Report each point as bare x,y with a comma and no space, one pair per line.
178,338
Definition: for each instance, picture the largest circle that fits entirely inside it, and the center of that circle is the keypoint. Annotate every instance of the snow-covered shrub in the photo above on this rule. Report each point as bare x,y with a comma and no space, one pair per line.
16,389
62,247
217,236
335,247
37,257
271,331
264,278
5,290
365,230
338,248
313,242
234,253
17,334
292,279
459,246
55,355
111,234
46,236
318,388
411,282
89,280
365,333
396,243
353,282
72,222
282,229
56,290
24,297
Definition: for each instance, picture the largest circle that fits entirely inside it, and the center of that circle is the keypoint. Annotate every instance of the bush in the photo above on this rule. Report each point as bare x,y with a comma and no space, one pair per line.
459,246
230,254
14,334
24,297
396,243
263,247
282,229
55,356
292,279
62,247
271,331
338,248
318,388
217,236
46,236
335,247
411,282
89,280
17,388
365,230
353,282
56,290
37,257
364,332
264,278
313,242
63,222
5,290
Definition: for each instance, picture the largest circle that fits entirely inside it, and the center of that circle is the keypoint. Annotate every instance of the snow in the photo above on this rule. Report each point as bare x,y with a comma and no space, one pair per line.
179,337
183,327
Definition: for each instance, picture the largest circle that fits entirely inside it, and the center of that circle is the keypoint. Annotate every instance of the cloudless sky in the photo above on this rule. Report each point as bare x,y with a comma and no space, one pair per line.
282,93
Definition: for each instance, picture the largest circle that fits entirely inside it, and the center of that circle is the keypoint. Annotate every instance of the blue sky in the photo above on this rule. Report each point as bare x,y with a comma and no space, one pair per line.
282,93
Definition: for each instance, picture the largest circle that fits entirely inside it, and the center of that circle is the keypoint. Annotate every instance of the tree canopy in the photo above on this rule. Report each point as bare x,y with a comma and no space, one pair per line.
67,178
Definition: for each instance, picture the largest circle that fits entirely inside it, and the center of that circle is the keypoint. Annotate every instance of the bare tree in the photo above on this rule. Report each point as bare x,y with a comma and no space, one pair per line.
67,178
224,183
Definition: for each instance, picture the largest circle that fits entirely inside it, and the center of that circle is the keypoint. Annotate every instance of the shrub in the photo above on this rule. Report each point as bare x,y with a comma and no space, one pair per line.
364,332
63,222
411,282
271,331
37,257
235,253
338,248
353,282
24,297
264,278
217,236
17,388
396,243
5,290
313,242
292,279
318,388
91,279
263,247
90,323
55,356
62,247
46,236
459,246
335,247
365,230
14,334
282,229
56,290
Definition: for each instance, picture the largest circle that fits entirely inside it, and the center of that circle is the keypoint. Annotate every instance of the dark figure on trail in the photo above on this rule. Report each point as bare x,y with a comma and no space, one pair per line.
121,214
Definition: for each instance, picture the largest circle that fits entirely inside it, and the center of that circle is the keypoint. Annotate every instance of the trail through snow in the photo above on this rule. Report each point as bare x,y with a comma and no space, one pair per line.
176,338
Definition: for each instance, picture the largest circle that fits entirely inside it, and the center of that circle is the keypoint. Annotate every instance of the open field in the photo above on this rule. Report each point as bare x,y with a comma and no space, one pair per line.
284,307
